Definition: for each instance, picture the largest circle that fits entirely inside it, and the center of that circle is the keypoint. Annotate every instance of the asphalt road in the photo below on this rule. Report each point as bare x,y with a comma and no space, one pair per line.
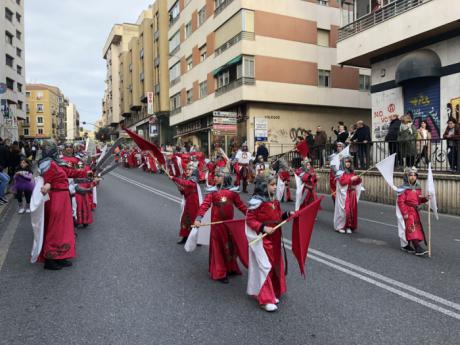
132,284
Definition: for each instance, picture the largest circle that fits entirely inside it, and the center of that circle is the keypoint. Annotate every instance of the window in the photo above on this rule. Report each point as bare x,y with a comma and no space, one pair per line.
203,89
10,84
323,38
39,110
40,119
223,79
8,14
324,78
39,94
203,51
174,42
20,105
18,2
18,17
19,69
202,16
174,13
9,60
174,72
9,37
40,131
323,2
248,67
189,96
27,110
18,34
27,94
18,52
19,87
26,131
189,63
364,82
174,101
188,30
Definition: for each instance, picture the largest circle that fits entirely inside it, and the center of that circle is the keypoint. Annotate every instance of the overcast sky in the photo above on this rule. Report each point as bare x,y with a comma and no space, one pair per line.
64,41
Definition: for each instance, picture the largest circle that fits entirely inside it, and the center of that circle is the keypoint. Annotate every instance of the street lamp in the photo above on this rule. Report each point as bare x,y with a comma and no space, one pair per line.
92,124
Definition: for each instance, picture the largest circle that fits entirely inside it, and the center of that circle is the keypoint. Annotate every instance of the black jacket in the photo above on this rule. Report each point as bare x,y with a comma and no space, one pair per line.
363,134
262,151
393,130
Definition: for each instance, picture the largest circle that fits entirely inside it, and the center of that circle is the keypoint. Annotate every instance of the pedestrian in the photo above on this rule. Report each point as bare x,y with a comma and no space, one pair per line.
191,194
423,143
320,145
4,177
392,136
407,137
408,204
263,216
341,133
452,135
14,158
222,252
362,138
23,185
308,180
33,151
262,151
347,196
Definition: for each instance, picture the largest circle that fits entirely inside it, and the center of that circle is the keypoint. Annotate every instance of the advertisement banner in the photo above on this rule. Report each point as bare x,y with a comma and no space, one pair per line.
150,103
153,130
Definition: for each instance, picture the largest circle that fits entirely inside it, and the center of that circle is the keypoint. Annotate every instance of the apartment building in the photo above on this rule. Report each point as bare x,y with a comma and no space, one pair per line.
412,48
12,68
43,118
248,70
73,122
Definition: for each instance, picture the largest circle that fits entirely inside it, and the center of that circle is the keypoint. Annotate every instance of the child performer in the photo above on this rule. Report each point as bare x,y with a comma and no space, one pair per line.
285,176
223,196
263,215
308,180
348,192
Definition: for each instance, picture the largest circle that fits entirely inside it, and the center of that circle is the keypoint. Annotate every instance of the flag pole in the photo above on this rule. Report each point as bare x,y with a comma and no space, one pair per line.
275,228
429,228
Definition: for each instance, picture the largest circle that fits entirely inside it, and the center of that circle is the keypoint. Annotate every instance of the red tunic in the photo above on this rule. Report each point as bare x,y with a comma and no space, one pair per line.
332,184
59,240
407,203
84,199
71,160
310,180
211,166
236,167
269,214
351,203
285,176
190,193
222,253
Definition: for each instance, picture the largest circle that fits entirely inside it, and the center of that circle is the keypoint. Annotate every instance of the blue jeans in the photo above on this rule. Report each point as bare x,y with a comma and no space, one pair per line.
4,179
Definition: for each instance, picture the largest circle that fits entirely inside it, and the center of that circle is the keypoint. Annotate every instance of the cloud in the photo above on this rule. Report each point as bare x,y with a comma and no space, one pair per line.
64,42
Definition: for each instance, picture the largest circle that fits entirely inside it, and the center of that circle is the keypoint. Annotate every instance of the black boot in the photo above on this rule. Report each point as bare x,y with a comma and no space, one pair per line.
182,241
420,251
52,265
64,263
224,280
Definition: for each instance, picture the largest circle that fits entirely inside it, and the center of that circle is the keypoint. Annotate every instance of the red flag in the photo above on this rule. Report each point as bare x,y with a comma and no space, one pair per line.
302,229
237,229
145,145
303,148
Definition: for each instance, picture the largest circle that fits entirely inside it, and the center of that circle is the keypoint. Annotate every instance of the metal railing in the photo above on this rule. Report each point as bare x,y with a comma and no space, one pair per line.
235,84
243,35
222,6
444,155
387,12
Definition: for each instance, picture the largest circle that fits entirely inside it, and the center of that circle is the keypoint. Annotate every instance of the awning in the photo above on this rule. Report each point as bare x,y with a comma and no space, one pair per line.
232,62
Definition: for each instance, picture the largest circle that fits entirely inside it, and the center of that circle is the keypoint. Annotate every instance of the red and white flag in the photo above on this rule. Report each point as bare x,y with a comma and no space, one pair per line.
145,145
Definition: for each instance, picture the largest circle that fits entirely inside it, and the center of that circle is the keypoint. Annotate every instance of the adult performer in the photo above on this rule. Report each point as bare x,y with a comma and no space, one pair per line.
409,200
333,170
348,192
308,181
243,158
222,198
263,215
59,237
191,192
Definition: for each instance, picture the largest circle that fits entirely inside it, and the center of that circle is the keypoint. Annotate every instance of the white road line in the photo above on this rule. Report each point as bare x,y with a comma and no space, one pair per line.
7,238
321,257
377,222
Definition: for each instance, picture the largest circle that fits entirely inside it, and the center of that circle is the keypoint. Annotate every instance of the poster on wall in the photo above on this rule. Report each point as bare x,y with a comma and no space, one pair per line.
260,129
385,104
455,108
422,98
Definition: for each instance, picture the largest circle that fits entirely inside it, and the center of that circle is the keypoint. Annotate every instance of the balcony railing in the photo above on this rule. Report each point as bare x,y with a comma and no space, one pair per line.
176,111
234,84
243,35
387,12
222,7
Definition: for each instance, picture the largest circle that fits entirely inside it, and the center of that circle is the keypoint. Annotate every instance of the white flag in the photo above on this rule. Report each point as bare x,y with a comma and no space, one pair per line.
280,187
386,168
335,161
431,191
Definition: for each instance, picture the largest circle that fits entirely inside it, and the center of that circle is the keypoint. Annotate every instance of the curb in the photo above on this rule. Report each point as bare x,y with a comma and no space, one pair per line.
4,208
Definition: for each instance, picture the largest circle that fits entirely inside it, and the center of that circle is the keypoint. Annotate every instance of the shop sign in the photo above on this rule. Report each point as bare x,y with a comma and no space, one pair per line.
153,130
225,128
150,103
224,114
224,120
260,129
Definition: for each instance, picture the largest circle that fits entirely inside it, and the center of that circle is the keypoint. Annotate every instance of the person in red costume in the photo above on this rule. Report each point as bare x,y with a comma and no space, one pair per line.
347,196
191,194
211,170
68,156
59,237
285,176
132,161
222,198
309,180
263,215
409,200
332,179
84,198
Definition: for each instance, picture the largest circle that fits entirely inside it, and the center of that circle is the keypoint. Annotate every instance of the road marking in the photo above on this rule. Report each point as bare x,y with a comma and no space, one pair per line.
7,238
347,267
377,222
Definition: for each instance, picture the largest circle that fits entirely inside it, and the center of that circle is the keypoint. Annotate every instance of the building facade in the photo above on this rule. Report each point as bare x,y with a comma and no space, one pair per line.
247,70
12,68
72,122
412,48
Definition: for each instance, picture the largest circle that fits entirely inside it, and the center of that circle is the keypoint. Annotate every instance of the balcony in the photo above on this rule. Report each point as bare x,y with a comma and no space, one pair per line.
243,35
175,111
235,84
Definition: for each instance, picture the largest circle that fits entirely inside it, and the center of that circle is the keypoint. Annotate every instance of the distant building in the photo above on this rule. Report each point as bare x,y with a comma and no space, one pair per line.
73,122
12,68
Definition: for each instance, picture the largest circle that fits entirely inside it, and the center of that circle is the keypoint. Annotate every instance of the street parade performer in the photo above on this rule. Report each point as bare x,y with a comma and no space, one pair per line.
191,194
84,198
59,237
306,181
222,251
243,158
408,204
285,176
333,170
347,196
263,215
